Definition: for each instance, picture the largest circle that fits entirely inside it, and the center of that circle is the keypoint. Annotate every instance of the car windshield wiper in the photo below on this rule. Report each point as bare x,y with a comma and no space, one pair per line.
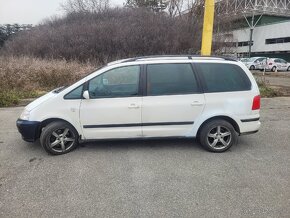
59,89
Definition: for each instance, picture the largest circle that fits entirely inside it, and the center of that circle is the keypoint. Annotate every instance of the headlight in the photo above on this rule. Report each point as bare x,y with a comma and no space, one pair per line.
25,115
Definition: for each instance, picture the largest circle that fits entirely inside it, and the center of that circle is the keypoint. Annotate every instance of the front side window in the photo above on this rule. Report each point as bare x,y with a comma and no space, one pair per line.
170,79
223,77
118,82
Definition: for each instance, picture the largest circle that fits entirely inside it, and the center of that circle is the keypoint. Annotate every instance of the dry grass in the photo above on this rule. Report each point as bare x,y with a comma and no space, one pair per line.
22,77
265,89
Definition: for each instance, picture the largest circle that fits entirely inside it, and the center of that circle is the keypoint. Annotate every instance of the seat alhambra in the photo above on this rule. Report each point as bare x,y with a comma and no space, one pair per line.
209,98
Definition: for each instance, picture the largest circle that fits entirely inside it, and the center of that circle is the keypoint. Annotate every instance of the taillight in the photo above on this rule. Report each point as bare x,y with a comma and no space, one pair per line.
256,103
270,64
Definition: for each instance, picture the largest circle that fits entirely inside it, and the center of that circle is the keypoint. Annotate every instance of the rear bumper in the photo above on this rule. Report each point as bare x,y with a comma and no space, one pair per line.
28,129
249,126
249,133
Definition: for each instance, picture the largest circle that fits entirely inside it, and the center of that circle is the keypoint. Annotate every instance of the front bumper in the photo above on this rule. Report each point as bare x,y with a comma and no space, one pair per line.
28,129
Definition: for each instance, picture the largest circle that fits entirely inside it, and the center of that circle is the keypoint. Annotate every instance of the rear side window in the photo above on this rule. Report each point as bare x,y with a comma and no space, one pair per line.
223,77
170,79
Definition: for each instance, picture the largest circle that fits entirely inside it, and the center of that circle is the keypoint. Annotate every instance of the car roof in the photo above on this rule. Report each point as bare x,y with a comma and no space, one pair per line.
171,57
258,57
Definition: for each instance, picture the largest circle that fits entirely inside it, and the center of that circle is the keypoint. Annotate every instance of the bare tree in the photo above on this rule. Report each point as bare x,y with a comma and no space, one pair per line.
92,6
154,5
175,7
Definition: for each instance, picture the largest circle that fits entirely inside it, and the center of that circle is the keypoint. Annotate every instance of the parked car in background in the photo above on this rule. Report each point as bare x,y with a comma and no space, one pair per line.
278,64
255,63
209,98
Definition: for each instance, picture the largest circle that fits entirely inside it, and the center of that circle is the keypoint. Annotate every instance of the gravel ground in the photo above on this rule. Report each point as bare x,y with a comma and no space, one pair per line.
159,178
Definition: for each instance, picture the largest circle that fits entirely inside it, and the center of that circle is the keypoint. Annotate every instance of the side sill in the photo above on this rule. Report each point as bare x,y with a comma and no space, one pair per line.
137,138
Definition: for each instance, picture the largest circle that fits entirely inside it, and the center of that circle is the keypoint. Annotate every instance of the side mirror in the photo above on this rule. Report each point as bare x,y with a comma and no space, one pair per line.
86,94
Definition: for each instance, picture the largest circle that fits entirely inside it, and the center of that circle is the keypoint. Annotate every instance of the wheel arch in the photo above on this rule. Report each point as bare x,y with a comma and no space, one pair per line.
252,67
274,67
226,118
45,122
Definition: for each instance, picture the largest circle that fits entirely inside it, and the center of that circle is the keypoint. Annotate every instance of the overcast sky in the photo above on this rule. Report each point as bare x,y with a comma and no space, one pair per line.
32,11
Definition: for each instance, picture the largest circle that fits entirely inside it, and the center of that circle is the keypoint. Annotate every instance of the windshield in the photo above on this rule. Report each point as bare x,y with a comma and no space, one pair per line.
252,59
244,59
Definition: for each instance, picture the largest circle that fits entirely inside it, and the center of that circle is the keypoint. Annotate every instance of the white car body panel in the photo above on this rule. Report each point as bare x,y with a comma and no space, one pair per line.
170,108
40,100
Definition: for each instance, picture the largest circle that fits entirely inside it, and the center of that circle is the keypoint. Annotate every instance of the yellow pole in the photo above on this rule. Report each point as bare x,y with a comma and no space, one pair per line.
207,27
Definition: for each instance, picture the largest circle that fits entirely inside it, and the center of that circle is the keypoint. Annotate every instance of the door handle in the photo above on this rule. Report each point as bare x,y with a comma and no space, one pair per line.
196,103
133,106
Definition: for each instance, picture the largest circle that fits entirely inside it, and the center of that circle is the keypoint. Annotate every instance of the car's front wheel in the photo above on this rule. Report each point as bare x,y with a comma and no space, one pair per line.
252,67
218,136
274,69
288,69
59,138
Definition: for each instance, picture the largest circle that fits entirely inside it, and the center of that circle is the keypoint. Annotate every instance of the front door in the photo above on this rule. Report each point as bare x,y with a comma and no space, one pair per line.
114,107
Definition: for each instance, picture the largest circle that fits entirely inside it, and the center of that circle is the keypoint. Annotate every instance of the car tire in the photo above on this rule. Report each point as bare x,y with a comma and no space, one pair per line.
59,138
288,69
274,69
218,136
252,67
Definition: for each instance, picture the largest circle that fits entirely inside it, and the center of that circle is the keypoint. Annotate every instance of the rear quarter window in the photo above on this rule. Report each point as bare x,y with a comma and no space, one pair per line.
218,77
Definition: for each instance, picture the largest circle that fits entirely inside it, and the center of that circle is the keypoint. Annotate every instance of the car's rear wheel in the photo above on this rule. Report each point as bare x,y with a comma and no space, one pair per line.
59,138
274,69
288,69
218,136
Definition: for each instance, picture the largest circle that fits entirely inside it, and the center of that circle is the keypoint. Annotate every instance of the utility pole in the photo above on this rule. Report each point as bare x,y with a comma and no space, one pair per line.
207,27
252,26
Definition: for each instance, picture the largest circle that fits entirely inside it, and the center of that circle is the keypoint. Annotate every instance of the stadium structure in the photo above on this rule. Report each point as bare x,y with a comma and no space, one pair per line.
258,27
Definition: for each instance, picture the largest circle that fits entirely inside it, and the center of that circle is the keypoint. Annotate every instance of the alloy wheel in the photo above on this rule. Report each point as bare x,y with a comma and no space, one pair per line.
61,140
219,137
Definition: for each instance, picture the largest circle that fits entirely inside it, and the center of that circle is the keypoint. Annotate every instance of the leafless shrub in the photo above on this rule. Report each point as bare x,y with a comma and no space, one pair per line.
108,35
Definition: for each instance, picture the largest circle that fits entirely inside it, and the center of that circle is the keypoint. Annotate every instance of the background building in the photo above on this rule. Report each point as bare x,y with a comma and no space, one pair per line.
269,39
264,23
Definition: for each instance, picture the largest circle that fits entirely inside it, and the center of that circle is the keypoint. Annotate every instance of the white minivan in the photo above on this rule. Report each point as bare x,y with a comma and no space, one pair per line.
212,99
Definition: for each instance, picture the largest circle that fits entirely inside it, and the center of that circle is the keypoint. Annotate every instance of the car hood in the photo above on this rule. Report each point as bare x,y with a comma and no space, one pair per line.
40,100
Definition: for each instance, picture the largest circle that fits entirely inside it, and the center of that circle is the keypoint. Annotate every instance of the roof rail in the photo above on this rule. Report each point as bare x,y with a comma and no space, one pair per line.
190,57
